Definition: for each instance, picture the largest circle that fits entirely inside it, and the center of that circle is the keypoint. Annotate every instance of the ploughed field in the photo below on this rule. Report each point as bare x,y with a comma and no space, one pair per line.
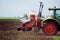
8,32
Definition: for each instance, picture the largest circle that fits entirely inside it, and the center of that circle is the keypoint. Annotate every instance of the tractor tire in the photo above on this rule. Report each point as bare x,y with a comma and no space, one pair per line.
36,29
18,29
50,28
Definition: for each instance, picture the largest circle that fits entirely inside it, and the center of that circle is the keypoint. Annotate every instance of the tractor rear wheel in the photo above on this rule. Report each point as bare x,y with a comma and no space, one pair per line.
50,28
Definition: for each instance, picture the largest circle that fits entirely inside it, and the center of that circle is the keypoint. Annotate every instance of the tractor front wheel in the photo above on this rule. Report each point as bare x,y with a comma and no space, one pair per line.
50,28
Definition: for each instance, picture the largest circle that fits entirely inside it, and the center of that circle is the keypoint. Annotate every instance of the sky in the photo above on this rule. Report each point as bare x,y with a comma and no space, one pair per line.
15,8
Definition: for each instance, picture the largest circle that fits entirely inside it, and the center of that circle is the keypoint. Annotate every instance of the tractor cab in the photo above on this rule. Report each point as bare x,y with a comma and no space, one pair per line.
55,13
52,24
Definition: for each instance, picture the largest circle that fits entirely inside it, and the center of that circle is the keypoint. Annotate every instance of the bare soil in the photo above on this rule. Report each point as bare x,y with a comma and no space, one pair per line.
8,32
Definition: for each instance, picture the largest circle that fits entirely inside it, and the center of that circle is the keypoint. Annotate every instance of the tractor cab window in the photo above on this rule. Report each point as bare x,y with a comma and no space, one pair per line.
51,13
58,14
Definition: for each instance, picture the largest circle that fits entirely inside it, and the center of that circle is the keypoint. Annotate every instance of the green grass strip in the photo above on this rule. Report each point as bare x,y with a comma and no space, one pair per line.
56,38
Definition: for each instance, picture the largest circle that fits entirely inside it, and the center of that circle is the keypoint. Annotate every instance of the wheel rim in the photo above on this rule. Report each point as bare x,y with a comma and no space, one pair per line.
50,28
